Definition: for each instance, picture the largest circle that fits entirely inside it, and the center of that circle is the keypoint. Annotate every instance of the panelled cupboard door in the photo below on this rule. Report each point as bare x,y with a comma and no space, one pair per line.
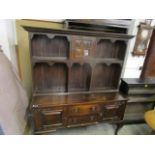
114,111
47,119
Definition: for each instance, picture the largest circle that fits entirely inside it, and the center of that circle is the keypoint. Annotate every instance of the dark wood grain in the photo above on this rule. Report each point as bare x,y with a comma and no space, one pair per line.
148,70
50,78
42,45
75,77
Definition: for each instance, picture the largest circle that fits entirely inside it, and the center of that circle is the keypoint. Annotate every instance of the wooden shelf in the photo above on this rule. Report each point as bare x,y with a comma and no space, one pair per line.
49,92
107,61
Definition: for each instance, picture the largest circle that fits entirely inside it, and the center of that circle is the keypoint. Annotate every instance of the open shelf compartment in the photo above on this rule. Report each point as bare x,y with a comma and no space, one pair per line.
44,46
105,76
79,77
50,78
108,49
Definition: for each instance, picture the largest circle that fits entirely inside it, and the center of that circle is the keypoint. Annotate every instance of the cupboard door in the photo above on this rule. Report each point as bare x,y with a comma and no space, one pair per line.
113,112
51,118
47,119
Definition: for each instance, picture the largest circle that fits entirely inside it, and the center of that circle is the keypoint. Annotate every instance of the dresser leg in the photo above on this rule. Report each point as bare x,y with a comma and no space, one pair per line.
118,127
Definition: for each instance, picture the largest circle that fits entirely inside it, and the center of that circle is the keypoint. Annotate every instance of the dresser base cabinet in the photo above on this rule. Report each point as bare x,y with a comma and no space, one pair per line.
49,114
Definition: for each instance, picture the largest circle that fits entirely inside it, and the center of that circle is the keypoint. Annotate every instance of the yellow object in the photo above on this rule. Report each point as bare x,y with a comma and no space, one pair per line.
146,86
150,119
23,53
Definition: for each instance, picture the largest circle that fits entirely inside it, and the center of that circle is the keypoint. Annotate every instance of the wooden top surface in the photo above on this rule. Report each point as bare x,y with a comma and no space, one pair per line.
78,32
71,99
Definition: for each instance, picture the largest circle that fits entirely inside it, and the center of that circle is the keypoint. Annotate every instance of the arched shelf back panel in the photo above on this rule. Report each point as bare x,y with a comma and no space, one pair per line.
50,78
79,77
105,76
42,45
108,49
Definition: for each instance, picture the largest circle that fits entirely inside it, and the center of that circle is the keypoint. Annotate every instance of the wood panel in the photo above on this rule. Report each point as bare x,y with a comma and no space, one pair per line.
108,49
50,78
43,46
148,70
105,77
79,77
82,47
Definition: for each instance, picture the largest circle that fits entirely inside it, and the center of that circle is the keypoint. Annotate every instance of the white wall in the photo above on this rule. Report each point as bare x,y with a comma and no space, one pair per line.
8,39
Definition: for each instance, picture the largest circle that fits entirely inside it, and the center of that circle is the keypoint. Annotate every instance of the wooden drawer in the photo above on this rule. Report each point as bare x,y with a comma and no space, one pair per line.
51,118
47,119
82,120
113,112
83,110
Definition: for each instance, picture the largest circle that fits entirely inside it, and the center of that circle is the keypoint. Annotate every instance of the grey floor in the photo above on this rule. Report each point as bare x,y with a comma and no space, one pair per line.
105,129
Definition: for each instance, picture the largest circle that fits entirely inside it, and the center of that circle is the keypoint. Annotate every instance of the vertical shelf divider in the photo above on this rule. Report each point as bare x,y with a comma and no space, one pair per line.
69,65
91,77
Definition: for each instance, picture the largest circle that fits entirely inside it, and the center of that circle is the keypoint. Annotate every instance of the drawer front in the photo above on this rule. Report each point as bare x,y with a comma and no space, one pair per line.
83,110
51,118
47,119
82,120
113,112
